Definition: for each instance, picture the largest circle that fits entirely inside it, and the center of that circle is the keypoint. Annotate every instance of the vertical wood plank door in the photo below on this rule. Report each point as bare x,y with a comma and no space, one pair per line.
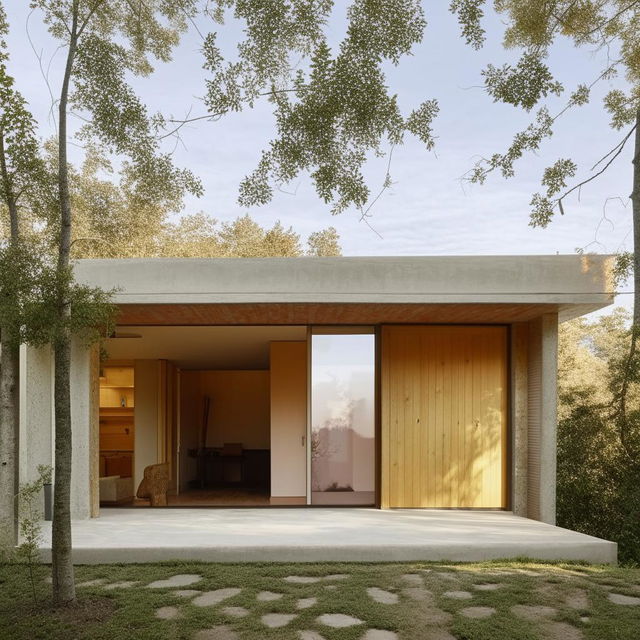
444,416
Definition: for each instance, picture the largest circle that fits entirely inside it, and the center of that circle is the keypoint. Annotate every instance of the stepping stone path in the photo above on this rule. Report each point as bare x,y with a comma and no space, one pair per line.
381,596
477,612
413,579
331,587
235,612
338,620
458,595
418,594
302,579
125,584
577,600
561,631
186,593
533,613
379,634
618,598
275,620
268,596
309,635
217,633
436,617
167,613
336,576
306,603
182,580
489,586
209,598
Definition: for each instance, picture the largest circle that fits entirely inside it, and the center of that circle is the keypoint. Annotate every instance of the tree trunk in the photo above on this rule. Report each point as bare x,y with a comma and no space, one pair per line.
9,363
632,362
64,591
635,212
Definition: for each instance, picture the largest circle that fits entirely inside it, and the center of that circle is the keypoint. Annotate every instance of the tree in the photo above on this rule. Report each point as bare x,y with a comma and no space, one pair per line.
533,27
597,478
103,41
109,222
21,173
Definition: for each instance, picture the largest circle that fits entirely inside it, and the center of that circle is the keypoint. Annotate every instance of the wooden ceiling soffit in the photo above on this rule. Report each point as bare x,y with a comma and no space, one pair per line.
326,313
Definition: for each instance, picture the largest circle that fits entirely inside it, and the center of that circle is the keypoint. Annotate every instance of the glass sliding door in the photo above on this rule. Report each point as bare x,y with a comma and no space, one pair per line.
342,439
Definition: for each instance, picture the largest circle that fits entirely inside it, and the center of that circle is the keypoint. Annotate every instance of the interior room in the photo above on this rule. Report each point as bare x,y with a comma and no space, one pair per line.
193,408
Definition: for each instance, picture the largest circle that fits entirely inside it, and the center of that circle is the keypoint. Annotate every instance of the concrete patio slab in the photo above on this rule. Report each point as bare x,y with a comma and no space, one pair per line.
322,535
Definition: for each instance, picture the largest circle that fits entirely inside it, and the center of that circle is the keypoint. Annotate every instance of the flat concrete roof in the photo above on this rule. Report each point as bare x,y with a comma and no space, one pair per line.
576,284
314,534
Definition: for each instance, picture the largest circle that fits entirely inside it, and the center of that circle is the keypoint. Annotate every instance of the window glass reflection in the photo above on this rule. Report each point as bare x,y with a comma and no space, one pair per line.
343,419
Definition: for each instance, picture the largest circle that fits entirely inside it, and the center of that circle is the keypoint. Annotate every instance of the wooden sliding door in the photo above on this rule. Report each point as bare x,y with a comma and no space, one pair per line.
444,416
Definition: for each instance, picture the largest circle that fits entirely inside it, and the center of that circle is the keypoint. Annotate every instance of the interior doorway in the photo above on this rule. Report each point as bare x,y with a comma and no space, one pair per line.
209,404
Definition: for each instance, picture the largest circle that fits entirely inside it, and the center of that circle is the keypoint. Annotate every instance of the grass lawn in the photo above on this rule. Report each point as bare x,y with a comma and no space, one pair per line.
408,601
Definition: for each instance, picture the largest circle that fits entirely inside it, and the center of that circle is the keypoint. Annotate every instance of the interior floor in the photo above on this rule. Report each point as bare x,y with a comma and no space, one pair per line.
223,497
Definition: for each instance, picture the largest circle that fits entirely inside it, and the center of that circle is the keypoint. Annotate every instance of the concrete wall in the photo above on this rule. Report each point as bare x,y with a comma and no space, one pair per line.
519,417
36,412
83,407
542,418
578,284
37,430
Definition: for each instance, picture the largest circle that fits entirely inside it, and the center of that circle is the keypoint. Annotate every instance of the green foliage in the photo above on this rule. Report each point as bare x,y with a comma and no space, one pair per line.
115,40
599,455
30,522
333,109
528,140
623,268
524,85
470,16
21,167
29,288
534,27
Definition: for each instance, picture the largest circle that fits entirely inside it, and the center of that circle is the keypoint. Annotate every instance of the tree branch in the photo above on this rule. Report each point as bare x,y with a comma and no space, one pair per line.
619,148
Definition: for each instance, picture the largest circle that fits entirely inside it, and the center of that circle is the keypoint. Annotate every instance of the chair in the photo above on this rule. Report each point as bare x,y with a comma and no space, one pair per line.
155,484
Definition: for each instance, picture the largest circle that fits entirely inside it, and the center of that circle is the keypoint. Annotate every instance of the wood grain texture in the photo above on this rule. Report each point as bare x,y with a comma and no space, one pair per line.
444,417
326,313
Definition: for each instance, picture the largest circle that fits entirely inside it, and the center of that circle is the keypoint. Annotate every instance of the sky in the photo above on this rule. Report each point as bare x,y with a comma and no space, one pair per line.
430,209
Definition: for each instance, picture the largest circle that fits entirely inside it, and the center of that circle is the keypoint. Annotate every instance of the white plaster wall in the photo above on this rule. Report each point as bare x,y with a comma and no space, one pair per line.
288,419
146,383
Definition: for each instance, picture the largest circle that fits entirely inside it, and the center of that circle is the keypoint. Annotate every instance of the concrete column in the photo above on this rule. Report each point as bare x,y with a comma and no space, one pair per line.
542,418
36,412
519,417
83,410
549,417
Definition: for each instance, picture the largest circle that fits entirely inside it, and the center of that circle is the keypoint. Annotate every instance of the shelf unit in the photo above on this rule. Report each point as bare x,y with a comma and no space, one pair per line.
117,401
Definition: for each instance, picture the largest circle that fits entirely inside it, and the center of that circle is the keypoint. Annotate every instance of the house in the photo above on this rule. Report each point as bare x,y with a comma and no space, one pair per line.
393,382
